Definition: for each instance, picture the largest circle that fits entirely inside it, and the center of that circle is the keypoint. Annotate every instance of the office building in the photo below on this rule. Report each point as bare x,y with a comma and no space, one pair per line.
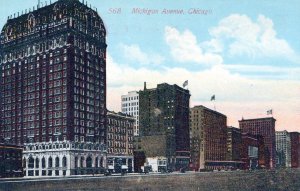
130,106
208,136
295,149
254,154
120,141
283,149
266,128
164,123
234,143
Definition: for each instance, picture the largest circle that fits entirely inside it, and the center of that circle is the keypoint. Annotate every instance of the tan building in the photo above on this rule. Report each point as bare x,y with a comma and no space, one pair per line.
208,132
120,128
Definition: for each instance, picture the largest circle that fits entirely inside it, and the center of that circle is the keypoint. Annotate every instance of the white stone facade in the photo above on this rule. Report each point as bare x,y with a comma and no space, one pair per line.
130,106
63,159
283,148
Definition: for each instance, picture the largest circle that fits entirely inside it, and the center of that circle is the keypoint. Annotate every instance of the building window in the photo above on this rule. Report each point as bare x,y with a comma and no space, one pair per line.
50,162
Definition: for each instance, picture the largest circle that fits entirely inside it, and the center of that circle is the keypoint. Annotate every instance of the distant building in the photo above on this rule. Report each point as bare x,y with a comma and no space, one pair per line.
10,161
295,149
234,143
164,123
253,151
266,128
283,148
53,88
130,106
208,137
120,141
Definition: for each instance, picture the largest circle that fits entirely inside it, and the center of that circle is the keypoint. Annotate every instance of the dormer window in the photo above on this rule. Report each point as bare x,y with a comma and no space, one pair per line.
31,21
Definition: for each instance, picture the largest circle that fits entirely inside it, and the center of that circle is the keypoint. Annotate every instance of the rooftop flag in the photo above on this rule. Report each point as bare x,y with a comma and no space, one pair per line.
213,98
270,112
185,83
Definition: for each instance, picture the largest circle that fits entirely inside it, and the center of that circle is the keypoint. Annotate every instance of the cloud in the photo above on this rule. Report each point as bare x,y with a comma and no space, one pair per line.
252,38
134,53
185,48
265,71
236,95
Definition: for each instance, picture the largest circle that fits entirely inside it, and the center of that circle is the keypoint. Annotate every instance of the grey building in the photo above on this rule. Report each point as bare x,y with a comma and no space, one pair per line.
283,149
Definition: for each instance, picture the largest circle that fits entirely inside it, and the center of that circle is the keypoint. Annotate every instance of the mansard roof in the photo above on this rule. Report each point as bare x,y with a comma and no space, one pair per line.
43,15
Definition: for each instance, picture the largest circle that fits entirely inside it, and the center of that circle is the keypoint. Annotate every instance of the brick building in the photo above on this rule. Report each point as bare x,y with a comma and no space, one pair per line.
234,142
208,137
295,149
53,83
266,128
164,123
254,154
120,129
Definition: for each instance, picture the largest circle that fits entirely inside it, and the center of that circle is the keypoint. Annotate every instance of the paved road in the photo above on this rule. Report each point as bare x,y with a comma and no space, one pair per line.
257,180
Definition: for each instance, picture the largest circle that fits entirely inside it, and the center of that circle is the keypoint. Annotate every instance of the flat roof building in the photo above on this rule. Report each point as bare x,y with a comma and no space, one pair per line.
283,149
130,106
120,141
164,123
208,137
266,128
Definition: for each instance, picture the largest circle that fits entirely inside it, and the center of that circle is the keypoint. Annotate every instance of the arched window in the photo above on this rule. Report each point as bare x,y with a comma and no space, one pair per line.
50,162
89,162
81,161
101,162
30,162
56,162
31,21
24,163
64,162
97,162
37,163
76,162
43,163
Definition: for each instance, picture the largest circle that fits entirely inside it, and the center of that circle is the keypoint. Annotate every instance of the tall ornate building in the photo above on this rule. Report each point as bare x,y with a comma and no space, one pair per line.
53,85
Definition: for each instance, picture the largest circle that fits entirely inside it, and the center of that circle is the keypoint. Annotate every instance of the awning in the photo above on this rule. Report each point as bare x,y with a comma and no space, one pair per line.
124,167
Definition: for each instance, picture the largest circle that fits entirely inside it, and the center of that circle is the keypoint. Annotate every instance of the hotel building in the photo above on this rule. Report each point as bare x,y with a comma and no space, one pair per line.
53,88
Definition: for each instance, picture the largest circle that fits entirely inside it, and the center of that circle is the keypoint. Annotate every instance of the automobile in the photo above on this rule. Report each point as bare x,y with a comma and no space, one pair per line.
146,169
182,170
107,172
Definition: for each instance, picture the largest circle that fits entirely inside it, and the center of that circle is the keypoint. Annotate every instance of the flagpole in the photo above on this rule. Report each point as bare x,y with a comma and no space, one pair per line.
213,98
214,105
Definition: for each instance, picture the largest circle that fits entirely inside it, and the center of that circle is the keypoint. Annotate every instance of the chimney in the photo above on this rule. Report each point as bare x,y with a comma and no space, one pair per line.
145,85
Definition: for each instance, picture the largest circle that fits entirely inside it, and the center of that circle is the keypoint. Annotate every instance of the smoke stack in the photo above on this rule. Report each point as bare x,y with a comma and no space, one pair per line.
145,85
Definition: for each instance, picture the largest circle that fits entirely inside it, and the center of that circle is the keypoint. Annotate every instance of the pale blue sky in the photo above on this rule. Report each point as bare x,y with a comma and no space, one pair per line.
245,52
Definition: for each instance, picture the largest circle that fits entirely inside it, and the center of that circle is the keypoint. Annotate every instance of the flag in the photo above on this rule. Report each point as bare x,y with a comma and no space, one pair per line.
213,98
270,112
185,83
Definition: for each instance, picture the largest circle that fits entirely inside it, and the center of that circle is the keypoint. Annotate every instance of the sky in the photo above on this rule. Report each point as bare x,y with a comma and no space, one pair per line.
246,53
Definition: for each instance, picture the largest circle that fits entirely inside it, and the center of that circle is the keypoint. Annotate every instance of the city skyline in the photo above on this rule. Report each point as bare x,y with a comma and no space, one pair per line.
246,54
